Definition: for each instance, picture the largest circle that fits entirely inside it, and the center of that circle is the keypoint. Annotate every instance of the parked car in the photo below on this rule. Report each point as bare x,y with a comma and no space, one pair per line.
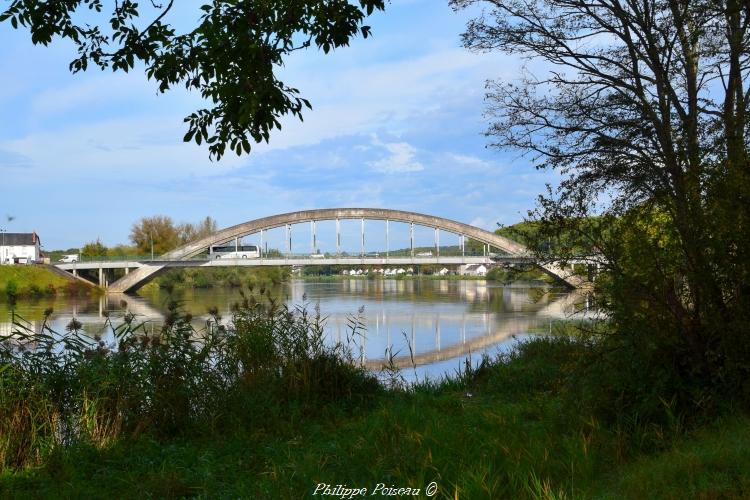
73,257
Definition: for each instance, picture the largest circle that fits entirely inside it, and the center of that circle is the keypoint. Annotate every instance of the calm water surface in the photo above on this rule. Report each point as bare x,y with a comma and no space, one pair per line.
433,324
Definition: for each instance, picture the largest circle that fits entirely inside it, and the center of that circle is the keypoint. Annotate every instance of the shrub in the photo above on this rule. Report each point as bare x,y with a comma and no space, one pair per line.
11,291
57,390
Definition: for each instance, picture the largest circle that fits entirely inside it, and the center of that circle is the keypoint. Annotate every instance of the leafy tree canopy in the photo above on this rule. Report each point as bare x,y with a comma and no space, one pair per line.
159,231
166,235
643,107
94,249
230,57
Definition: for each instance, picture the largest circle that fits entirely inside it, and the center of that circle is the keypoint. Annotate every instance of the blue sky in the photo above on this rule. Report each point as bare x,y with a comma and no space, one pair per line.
397,122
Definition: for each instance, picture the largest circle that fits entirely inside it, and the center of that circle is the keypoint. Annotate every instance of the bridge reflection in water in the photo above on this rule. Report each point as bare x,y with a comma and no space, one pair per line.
441,322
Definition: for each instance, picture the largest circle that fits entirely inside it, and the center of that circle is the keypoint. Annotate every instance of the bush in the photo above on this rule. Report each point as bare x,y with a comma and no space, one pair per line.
34,291
11,291
57,390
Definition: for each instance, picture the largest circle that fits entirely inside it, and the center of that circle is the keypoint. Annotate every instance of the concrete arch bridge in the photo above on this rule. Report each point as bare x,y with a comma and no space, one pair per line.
139,272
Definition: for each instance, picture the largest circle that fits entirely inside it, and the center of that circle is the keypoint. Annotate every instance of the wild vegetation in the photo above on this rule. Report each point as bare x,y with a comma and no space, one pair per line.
31,282
262,406
645,116
231,277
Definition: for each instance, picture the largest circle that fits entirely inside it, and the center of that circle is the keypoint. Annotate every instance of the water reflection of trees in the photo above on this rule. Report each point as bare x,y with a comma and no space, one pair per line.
480,296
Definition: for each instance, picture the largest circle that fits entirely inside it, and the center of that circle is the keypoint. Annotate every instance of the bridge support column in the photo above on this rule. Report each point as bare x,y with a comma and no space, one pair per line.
127,270
260,249
437,242
101,277
75,272
362,243
463,245
288,240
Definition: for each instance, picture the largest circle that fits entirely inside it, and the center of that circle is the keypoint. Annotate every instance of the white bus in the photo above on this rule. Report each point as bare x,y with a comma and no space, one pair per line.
234,252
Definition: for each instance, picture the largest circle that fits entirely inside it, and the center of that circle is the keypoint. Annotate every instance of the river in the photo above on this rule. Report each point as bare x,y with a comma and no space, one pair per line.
431,326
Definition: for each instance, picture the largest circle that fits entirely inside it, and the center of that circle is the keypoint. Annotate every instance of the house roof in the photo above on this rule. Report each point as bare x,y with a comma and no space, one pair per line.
15,239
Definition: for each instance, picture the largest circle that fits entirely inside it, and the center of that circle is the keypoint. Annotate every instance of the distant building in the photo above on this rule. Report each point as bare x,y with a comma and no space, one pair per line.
474,270
19,248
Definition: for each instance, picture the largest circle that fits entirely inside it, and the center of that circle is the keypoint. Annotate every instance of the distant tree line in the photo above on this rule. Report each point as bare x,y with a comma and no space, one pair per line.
160,231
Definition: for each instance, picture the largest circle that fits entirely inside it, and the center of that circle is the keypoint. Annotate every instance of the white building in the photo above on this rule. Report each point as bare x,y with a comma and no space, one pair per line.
474,270
19,248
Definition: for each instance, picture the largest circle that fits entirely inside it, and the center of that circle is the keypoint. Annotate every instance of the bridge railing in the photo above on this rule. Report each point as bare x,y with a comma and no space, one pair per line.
418,253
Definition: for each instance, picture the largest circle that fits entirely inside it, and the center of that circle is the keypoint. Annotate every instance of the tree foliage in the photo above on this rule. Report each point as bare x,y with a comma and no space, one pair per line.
166,235
159,231
642,106
230,57
94,249
191,232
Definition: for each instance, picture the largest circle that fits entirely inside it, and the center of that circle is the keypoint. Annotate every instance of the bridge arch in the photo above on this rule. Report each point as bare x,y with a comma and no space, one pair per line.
145,273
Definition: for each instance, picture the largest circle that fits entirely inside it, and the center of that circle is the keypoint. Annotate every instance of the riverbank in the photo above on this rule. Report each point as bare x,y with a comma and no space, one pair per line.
21,282
515,427
218,277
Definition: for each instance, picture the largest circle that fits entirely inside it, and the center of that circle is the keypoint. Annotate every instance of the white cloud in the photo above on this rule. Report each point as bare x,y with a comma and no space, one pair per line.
137,148
401,158
361,96
470,161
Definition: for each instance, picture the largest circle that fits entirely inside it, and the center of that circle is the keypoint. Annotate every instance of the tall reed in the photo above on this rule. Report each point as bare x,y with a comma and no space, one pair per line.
57,389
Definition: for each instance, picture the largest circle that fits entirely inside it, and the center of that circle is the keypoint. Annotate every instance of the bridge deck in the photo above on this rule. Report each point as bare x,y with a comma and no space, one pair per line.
295,261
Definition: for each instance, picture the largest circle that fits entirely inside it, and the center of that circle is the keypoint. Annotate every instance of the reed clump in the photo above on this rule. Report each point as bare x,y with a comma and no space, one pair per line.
62,389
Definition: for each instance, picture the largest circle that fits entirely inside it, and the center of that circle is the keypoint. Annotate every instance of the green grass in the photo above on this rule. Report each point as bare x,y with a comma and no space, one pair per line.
293,416
712,462
473,447
36,281
230,277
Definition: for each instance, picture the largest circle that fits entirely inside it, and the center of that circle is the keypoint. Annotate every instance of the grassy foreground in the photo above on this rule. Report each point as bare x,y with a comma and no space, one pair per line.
274,415
36,281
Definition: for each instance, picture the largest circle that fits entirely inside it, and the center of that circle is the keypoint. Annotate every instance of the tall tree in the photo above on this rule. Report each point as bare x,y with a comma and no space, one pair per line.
190,232
642,106
157,232
94,249
230,57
